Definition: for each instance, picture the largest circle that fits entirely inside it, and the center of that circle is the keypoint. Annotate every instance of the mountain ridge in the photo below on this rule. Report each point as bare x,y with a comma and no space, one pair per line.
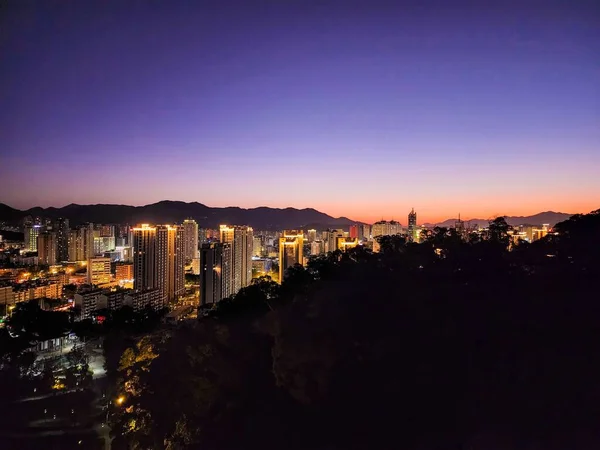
172,211
261,217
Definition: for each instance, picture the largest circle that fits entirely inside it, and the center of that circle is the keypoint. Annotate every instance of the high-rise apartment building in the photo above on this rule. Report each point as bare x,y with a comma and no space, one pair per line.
331,241
98,270
412,226
62,239
190,239
354,231
240,238
316,248
366,232
312,235
144,258
79,244
171,260
31,234
257,246
47,248
215,272
291,247
158,260
386,228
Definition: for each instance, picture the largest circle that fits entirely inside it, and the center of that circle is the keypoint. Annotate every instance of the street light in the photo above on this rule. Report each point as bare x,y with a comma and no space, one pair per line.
120,400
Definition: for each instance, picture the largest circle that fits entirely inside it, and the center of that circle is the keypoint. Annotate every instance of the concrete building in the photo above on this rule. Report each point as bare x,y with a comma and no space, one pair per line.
31,234
345,243
150,298
62,239
89,302
412,226
241,240
190,239
386,228
215,272
124,272
159,260
291,247
47,248
98,270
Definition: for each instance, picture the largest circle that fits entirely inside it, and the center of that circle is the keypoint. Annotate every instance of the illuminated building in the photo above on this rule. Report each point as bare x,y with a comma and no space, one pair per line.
62,239
170,261
331,240
366,232
316,247
190,239
344,243
124,272
98,270
291,246
196,266
312,235
139,300
257,247
386,228
215,272
240,238
412,225
46,248
158,260
31,235
354,231
539,233
103,244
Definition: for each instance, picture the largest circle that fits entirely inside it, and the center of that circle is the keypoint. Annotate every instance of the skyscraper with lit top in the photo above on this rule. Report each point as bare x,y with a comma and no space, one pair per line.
291,246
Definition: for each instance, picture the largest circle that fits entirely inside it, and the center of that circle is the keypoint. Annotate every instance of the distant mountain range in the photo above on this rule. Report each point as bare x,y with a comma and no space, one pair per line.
261,218
549,217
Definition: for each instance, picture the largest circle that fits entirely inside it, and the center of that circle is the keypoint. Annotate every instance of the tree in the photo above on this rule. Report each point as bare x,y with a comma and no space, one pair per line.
498,231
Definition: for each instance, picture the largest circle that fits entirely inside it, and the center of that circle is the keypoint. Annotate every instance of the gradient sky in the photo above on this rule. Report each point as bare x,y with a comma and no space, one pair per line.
363,109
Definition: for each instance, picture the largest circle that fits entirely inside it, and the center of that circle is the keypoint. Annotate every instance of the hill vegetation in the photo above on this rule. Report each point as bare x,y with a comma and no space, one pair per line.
443,344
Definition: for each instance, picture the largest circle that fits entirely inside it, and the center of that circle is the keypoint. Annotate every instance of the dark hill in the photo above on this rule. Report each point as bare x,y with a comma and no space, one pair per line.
261,218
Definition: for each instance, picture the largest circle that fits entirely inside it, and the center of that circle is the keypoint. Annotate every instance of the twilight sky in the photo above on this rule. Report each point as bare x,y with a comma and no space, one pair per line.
356,108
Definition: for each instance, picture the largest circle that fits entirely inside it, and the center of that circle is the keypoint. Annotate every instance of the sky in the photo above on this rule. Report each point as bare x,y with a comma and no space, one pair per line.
361,109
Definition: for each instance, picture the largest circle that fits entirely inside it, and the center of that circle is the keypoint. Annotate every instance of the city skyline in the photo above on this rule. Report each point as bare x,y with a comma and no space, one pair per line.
356,109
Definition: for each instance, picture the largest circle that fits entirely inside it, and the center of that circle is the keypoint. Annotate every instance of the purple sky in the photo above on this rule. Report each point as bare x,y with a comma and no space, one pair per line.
363,109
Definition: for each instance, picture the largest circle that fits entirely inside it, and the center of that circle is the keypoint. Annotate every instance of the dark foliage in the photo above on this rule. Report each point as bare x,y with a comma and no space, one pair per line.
444,344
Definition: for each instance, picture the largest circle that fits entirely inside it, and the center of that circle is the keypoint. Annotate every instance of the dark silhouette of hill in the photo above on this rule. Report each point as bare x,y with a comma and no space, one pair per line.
261,218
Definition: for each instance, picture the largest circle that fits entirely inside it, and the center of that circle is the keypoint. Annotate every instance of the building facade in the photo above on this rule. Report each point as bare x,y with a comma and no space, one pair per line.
215,272
291,247
190,239
62,239
158,260
241,240
98,270
47,248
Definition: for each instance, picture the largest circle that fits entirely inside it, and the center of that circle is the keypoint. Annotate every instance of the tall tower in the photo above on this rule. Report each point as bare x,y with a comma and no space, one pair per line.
144,257
291,245
412,225
158,260
241,240
46,247
62,239
170,267
31,234
190,239
215,276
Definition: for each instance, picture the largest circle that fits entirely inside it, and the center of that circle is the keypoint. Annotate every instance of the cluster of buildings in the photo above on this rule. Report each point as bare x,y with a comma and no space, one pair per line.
145,266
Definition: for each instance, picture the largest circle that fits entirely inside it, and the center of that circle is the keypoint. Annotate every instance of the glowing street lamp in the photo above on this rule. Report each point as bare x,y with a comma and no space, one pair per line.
120,400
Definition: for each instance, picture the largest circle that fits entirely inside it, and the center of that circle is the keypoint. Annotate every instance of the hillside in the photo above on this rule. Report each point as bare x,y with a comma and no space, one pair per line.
261,218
